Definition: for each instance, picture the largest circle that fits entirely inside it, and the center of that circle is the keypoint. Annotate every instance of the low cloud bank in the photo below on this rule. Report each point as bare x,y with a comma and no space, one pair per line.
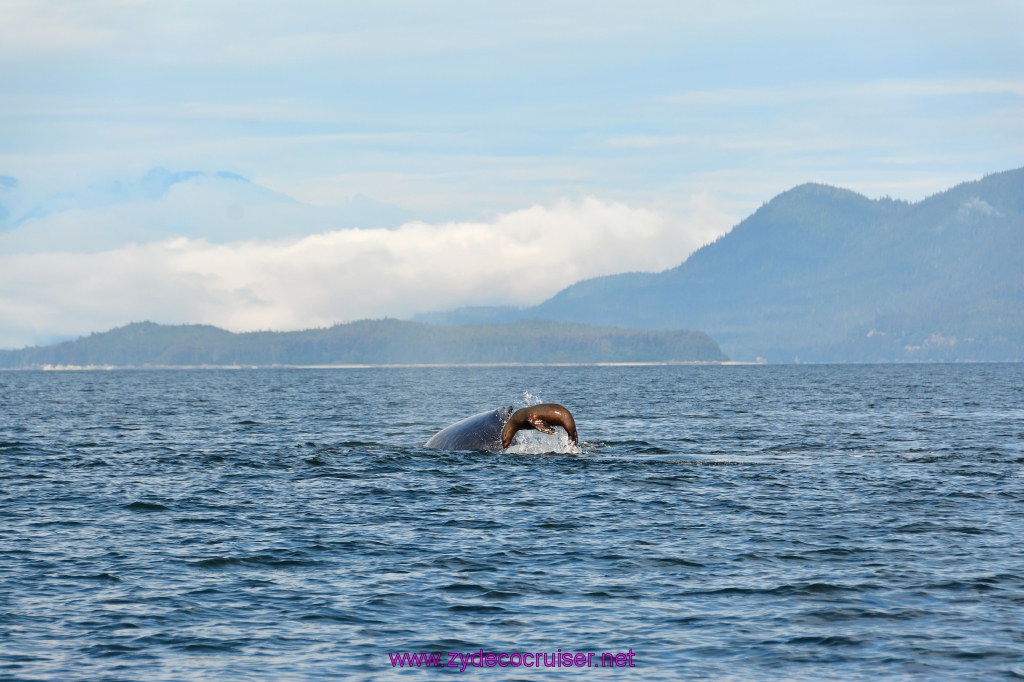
519,258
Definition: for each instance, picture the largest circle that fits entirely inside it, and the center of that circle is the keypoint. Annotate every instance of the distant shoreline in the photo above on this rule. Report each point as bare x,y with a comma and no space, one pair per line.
102,368
481,365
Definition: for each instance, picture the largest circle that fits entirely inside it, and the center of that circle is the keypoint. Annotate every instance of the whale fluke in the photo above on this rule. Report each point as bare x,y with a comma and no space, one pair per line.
543,418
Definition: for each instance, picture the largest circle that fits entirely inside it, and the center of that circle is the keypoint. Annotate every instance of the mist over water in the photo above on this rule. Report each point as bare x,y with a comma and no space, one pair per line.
722,522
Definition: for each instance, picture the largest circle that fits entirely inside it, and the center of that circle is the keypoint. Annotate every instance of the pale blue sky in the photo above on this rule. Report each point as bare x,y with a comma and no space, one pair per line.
471,111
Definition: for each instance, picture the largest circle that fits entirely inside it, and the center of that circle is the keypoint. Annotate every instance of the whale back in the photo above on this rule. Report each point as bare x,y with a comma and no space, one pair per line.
479,432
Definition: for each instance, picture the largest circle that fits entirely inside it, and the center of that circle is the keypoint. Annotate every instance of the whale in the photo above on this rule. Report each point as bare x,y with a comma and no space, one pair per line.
494,430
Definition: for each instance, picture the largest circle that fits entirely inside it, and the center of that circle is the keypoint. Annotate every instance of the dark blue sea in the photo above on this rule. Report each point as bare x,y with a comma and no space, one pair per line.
715,522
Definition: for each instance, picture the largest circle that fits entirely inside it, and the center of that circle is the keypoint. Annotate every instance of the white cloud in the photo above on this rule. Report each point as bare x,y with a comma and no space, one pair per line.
855,91
520,257
32,26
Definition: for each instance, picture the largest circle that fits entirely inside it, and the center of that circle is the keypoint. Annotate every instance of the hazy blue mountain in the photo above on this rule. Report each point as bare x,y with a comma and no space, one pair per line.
370,342
825,274
162,204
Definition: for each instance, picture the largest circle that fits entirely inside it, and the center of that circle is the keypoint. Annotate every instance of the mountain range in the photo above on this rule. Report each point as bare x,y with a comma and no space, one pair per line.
825,274
817,273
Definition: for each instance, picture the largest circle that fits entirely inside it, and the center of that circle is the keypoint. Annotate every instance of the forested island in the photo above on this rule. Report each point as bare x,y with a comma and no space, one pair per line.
368,342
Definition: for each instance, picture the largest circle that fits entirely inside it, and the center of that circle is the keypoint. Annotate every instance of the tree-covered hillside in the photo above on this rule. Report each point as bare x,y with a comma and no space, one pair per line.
371,342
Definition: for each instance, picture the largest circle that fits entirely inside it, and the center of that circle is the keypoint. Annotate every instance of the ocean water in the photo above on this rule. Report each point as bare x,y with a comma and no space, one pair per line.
715,522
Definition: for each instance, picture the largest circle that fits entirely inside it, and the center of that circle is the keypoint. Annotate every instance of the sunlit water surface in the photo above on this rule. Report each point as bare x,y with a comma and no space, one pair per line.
721,522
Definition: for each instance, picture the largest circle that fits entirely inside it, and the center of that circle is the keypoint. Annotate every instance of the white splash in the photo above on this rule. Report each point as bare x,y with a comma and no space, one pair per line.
537,443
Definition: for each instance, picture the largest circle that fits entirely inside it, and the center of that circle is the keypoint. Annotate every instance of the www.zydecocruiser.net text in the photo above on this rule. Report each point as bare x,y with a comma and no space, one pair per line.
516,659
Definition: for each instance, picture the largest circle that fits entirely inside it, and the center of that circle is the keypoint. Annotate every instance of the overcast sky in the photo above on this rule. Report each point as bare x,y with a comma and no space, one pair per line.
521,145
